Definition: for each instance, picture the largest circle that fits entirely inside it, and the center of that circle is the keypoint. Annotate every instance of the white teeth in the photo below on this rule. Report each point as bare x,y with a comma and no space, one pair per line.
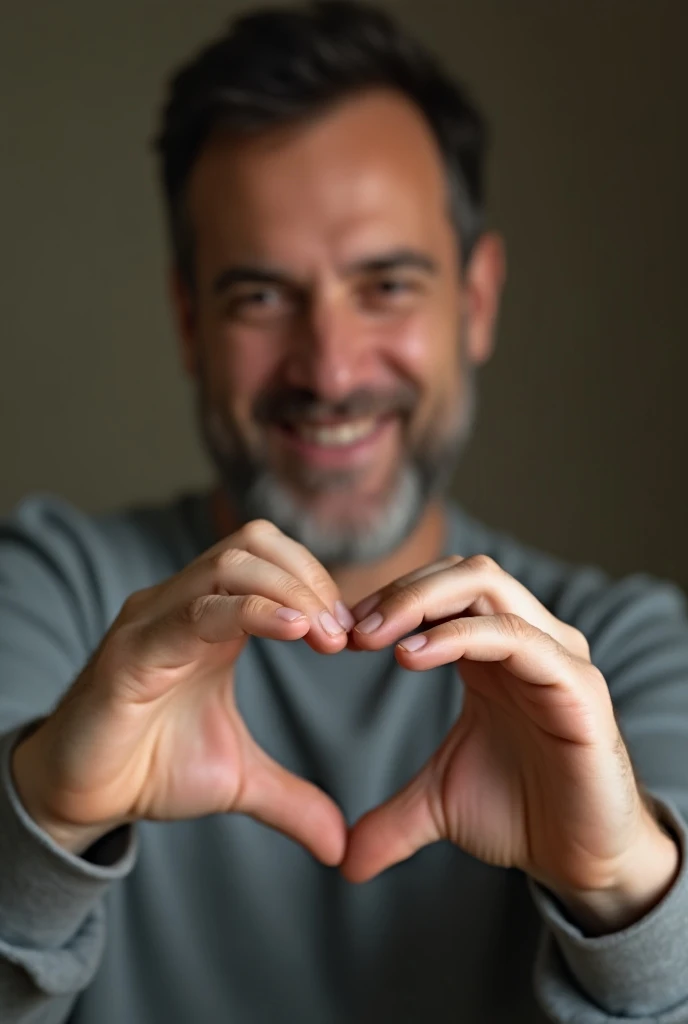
336,435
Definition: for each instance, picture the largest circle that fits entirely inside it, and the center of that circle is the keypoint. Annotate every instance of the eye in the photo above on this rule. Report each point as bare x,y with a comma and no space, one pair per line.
259,298
393,286
390,293
259,304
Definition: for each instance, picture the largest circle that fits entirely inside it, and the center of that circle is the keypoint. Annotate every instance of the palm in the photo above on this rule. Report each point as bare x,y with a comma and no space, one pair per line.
181,744
197,748
507,779
200,759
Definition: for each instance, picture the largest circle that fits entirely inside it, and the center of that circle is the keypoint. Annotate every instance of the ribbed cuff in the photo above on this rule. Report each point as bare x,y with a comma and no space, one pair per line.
46,893
640,972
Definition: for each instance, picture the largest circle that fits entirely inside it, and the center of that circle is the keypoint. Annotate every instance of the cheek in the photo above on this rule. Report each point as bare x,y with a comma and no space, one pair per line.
409,348
426,351
241,365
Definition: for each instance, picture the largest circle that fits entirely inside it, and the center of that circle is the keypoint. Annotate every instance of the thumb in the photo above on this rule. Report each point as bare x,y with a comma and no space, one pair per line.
293,806
393,831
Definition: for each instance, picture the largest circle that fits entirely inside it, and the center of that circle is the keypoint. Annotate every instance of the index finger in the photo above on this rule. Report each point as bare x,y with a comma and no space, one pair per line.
262,538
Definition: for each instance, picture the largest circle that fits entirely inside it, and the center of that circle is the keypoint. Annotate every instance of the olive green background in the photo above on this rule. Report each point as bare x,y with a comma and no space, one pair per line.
581,439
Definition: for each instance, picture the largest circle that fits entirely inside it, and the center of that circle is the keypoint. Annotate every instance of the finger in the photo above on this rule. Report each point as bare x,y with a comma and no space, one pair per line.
180,636
267,541
293,806
474,586
237,571
370,622
560,693
392,832
364,607
527,652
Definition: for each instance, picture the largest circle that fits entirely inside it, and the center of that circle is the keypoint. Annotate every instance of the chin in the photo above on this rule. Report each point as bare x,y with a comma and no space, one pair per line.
341,527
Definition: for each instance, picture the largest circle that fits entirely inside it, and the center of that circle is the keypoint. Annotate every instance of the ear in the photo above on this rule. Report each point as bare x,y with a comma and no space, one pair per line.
184,313
483,283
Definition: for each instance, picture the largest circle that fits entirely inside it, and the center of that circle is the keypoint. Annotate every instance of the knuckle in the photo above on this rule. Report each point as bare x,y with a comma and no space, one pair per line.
194,611
136,599
413,594
257,528
481,564
579,643
251,606
315,575
116,646
594,676
294,590
317,578
228,559
402,596
134,604
514,626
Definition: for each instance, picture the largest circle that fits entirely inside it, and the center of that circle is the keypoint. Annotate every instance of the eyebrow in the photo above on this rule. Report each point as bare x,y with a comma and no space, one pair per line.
246,274
396,259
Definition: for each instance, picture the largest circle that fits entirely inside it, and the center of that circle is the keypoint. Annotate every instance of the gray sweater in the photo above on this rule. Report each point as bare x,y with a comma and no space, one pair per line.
221,919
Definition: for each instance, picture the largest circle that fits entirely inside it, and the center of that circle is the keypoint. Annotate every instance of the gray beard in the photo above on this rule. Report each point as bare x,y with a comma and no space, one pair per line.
342,544
255,492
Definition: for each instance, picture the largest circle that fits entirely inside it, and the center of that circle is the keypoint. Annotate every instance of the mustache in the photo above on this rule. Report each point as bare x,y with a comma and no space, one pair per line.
302,405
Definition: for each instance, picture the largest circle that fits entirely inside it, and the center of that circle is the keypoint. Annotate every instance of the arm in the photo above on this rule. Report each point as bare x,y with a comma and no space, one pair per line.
145,727
52,918
535,773
648,878
52,926
638,632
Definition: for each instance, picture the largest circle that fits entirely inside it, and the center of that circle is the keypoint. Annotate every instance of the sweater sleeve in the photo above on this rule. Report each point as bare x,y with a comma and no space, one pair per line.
53,612
52,922
638,634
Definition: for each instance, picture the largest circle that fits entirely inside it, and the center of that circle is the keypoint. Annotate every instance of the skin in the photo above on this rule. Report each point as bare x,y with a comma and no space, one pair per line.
348,194
535,773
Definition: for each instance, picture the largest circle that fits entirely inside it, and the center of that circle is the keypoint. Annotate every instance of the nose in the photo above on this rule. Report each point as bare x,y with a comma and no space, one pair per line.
330,354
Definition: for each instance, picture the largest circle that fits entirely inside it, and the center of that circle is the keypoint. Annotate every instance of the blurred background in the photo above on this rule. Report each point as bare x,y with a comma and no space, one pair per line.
581,443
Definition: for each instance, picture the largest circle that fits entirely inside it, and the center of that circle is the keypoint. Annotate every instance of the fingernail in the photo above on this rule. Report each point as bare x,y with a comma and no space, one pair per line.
370,624
343,616
366,606
330,624
290,614
414,643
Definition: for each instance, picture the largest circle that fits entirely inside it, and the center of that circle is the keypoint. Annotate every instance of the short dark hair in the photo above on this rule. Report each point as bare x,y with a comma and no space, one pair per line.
281,65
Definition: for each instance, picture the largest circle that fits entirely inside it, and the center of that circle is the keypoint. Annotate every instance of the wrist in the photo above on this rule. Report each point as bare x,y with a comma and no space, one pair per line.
28,775
646,878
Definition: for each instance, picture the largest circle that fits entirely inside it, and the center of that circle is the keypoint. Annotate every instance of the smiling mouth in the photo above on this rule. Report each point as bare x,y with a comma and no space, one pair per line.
335,435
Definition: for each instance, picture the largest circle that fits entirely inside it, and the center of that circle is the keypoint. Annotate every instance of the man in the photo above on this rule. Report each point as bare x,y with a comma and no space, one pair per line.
492,741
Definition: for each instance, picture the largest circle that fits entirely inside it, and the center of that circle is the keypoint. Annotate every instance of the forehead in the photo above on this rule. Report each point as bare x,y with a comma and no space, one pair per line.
366,173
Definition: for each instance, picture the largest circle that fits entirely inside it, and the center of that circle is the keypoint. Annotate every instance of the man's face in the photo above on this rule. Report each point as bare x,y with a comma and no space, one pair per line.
325,324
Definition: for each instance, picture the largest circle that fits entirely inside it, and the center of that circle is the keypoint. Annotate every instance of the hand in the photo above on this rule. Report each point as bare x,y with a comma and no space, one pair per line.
534,774
150,729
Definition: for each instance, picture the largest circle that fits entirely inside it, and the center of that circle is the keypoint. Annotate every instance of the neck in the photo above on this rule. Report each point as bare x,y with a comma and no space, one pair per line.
422,546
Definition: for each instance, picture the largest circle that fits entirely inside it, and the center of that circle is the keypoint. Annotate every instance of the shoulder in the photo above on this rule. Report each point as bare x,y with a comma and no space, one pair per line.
50,546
